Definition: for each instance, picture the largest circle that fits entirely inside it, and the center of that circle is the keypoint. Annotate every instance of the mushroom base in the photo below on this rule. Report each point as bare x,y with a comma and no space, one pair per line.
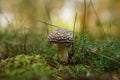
63,53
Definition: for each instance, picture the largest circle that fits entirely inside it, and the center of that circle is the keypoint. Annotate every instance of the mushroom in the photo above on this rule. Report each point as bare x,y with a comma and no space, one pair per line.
63,38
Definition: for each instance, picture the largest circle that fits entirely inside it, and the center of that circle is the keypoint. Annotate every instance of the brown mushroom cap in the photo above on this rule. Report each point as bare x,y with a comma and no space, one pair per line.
60,35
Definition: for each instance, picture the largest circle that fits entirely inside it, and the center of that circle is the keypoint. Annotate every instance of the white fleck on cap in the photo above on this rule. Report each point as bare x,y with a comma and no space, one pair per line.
60,35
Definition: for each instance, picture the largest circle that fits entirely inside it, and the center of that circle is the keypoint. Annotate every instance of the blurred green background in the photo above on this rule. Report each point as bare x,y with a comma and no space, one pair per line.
100,17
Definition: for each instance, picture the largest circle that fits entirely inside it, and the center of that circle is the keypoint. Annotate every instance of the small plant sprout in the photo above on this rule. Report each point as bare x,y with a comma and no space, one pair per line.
63,38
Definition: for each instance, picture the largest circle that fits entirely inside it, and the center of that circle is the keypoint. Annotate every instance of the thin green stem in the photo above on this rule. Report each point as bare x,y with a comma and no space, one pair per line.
109,58
84,19
74,26
48,24
97,17
74,33
110,24
52,25
48,14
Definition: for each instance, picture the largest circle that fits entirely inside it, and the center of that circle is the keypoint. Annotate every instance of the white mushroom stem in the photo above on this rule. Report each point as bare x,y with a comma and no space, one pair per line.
63,52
